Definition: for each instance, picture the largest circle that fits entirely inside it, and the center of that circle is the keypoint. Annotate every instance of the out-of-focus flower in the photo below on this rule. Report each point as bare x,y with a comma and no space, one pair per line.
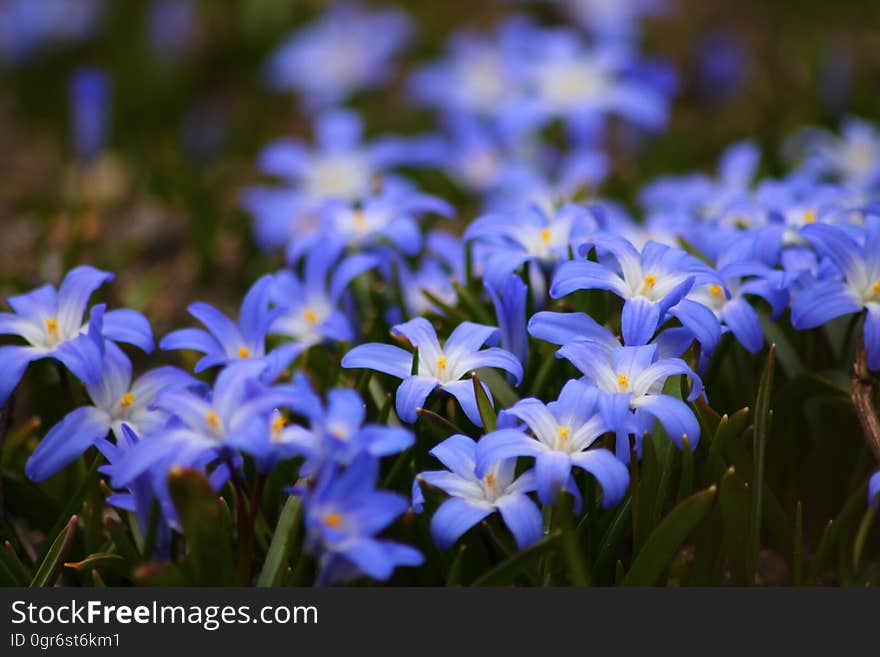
27,26
311,311
116,402
89,106
874,489
172,28
346,50
474,498
51,321
226,341
563,431
827,298
438,366
343,514
529,236
510,310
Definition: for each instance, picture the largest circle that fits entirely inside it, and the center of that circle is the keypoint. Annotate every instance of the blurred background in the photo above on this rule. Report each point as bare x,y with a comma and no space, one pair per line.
128,129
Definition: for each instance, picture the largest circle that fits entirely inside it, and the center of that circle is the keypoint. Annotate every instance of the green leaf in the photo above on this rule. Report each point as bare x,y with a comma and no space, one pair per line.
51,564
647,494
734,500
572,551
759,446
453,578
506,572
729,428
611,539
472,304
862,534
16,573
283,540
664,542
208,559
74,504
686,481
487,412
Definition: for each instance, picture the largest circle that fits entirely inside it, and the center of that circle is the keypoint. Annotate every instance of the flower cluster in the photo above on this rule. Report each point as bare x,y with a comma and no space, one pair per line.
627,309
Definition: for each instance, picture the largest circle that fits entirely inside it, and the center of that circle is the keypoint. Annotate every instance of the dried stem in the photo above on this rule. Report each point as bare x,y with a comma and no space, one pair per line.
861,393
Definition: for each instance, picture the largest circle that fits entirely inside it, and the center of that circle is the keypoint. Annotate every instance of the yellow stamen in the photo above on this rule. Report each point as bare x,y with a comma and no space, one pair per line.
310,316
623,382
52,326
546,235
716,290
650,281
876,286
243,352
213,419
441,362
333,520
360,220
490,480
278,424
127,400
562,434
810,217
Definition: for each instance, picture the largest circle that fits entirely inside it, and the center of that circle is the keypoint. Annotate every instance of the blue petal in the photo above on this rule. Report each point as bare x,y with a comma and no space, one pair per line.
36,305
421,334
701,321
218,325
821,302
468,337
639,321
676,417
129,326
552,471
874,489
191,338
458,453
872,335
15,360
522,517
743,321
586,275
503,444
562,328
74,293
454,517
463,391
494,357
380,357
836,244
537,416
411,395
611,474
255,316
66,441
347,270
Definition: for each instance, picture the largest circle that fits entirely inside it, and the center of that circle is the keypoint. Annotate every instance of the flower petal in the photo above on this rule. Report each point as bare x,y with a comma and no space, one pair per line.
611,474
454,517
66,441
522,517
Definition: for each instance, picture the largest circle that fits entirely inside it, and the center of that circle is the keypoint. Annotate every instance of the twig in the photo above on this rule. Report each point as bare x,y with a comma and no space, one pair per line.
861,394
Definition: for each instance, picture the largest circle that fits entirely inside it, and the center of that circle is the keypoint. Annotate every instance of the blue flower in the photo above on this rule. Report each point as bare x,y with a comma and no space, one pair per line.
51,321
336,433
117,402
651,283
831,297
26,26
510,310
874,489
339,54
343,514
529,236
631,380
474,498
207,430
311,304
387,217
226,341
853,157
441,367
90,99
562,433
